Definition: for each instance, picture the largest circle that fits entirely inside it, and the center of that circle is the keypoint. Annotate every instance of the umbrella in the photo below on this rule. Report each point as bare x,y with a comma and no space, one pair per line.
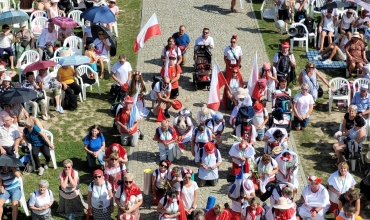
107,34
74,60
335,5
64,22
99,14
8,161
19,95
13,17
43,64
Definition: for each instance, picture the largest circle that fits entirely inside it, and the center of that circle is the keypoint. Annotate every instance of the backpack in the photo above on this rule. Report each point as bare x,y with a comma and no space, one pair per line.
92,185
352,150
244,112
157,79
213,124
70,101
283,63
283,101
286,5
185,113
270,189
308,22
113,108
201,154
299,15
170,129
196,132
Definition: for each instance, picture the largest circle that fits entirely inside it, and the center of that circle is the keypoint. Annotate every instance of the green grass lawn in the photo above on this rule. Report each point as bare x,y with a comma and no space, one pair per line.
69,129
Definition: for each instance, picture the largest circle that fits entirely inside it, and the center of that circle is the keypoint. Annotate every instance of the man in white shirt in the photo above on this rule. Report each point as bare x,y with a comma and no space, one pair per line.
205,40
171,50
9,137
302,107
208,159
6,38
121,73
160,96
47,38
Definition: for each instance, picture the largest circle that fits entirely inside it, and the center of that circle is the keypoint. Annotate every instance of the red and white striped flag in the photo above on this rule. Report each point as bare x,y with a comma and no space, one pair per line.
253,78
218,80
150,29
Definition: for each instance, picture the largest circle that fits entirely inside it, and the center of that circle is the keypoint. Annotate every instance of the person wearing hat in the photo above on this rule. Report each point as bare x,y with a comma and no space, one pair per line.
326,27
362,23
182,40
217,126
335,50
284,61
260,92
6,39
348,21
315,198
6,84
302,106
100,197
204,113
267,168
173,72
286,190
114,8
281,210
115,170
362,100
275,137
241,152
25,39
4,73
268,72
166,137
208,159
243,99
365,72
288,167
356,53
171,50
259,120
160,96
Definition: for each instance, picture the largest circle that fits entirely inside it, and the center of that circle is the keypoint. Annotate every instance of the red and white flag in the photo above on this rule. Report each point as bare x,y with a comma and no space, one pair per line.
150,29
253,78
218,80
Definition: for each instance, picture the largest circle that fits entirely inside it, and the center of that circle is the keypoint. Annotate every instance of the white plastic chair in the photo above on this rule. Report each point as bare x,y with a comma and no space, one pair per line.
75,44
357,84
37,14
299,39
101,3
76,16
61,13
316,3
107,60
37,25
22,201
336,84
312,35
52,151
271,10
5,5
85,69
57,51
115,28
28,10
30,56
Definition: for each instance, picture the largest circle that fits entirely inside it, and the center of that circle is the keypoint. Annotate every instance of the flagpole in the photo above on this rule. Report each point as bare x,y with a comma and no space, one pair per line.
227,85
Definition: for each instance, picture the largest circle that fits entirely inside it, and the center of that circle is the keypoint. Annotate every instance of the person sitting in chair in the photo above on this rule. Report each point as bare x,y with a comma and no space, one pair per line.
356,53
335,50
47,40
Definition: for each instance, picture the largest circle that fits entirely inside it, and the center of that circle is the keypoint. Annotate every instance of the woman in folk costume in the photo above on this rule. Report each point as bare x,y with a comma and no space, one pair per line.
260,92
254,211
235,82
315,198
287,164
233,58
241,152
217,213
348,213
268,72
267,168
281,211
338,183
171,207
137,86
243,99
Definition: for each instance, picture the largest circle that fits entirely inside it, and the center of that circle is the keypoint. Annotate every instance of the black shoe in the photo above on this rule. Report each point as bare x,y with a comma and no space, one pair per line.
166,114
141,135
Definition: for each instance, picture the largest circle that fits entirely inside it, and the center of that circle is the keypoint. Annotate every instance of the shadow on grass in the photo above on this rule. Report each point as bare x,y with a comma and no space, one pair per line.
213,9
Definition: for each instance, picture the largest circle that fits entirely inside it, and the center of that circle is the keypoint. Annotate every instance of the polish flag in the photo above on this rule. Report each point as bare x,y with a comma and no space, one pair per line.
218,80
150,29
253,78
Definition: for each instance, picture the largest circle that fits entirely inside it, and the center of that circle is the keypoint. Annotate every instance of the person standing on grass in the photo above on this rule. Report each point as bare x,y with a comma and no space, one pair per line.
302,106
182,40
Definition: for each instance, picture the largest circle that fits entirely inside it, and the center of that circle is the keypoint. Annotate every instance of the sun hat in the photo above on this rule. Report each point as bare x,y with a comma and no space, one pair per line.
356,34
7,78
285,44
177,105
367,158
314,179
350,10
54,1
366,68
266,66
218,116
364,87
282,204
204,110
128,100
124,87
277,150
98,172
23,24
2,68
209,148
241,93
258,107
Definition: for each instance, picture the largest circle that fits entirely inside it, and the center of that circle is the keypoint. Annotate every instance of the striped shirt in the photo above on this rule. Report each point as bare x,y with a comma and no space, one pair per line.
10,181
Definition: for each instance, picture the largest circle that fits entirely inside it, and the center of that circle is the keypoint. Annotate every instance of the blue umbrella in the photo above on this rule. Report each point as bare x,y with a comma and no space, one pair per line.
74,60
13,17
99,14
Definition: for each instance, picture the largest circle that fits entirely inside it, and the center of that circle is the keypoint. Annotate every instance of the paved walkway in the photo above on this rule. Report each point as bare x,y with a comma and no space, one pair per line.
195,15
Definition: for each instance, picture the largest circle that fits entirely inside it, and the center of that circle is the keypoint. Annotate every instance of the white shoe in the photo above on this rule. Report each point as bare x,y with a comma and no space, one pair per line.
327,62
43,117
46,167
61,111
57,108
41,171
317,57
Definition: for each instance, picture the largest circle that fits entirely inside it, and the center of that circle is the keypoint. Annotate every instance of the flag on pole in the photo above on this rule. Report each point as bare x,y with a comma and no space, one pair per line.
218,80
134,116
150,29
253,78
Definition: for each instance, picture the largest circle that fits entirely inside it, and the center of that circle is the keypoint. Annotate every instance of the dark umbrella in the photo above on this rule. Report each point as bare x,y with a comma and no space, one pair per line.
20,95
107,34
99,14
7,161
335,5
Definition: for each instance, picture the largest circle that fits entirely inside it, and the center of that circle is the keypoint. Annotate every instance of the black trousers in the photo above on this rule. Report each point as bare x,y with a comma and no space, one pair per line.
45,150
74,87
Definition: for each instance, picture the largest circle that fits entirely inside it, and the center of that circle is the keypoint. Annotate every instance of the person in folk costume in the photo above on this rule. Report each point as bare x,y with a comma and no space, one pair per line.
233,58
267,168
286,190
254,211
260,92
137,86
171,207
315,198
275,137
268,72
204,113
184,128
281,211
348,213
235,82
287,164
243,99
241,152
217,213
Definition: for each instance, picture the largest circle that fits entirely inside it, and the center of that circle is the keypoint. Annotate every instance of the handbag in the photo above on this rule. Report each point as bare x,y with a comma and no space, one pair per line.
25,43
98,52
320,92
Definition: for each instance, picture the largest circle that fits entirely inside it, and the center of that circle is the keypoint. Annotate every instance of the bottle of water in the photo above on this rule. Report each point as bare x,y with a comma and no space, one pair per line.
70,217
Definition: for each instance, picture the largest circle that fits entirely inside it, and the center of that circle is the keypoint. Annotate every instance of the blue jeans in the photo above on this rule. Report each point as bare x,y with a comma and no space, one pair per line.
91,159
298,123
14,194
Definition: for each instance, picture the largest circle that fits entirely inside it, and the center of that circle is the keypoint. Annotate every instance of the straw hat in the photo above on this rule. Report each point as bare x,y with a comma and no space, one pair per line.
241,93
282,204
356,34
204,110
277,150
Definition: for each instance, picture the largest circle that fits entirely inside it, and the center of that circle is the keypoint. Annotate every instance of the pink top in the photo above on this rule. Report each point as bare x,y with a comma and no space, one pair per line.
114,10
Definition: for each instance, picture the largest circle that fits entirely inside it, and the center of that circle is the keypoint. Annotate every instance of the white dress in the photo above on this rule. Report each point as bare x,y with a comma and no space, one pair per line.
313,200
342,185
140,104
290,166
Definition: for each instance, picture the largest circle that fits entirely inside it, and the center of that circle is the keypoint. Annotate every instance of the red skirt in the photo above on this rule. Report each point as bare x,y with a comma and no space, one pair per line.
158,196
235,170
235,215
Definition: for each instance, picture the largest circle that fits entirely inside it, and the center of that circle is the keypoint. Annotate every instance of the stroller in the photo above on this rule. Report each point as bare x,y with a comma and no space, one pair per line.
281,115
203,67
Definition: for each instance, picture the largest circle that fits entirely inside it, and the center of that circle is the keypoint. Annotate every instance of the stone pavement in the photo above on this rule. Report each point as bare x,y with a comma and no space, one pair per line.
195,15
